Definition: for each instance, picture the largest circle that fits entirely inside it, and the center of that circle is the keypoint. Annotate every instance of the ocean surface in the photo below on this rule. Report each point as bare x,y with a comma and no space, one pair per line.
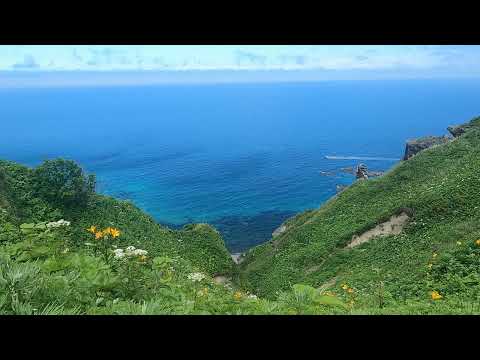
243,157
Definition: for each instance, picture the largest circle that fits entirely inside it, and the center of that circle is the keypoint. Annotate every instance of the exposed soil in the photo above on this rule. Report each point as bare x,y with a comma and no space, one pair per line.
393,226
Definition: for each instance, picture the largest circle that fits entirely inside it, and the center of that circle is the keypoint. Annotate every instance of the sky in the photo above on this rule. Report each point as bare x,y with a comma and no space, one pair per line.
112,64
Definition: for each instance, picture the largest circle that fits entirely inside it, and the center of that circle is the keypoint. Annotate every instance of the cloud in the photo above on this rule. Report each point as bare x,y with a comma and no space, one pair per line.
249,58
158,60
361,58
293,59
285,57
27,63
123,60
107,56
76,56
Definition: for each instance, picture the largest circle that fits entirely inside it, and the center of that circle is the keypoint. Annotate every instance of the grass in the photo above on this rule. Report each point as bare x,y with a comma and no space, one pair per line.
439,186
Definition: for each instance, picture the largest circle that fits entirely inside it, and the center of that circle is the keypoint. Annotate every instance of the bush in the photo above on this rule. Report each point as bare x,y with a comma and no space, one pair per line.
63,183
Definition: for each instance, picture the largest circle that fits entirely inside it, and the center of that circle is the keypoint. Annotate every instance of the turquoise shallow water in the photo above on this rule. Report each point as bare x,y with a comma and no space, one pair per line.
243,157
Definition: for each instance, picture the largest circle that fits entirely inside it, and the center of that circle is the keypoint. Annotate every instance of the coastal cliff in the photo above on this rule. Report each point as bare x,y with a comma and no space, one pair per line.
437,188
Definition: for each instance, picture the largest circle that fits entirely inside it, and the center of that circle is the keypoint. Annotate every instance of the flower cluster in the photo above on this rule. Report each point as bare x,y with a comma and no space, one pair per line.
114,233
196,277
130,251
57,224
350,294
434,256
477,242
347,288
238,295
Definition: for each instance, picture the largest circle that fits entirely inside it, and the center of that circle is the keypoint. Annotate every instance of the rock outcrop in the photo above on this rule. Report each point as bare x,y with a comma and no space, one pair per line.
416,145
375,173
458,130
361,172
280,230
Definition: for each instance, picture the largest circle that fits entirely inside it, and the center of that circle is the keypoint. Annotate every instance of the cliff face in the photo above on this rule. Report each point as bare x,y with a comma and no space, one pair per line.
458,130
414,146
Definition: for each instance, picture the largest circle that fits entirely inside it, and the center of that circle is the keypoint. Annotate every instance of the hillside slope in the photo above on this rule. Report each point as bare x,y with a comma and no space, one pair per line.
437,188
201,244
66,250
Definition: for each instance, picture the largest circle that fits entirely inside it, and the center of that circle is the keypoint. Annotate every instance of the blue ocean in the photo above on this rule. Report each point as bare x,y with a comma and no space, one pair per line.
243,157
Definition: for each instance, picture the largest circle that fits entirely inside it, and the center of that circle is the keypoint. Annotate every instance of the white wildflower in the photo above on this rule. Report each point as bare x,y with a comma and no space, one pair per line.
119,254
59,223
140,252
196,276
251,296
130,251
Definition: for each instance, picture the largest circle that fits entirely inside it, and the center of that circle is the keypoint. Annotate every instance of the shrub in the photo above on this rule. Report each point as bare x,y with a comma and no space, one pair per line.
63,183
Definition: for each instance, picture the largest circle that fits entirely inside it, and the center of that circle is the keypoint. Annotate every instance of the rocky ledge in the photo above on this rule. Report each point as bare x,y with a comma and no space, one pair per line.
458,130
361,171
414,146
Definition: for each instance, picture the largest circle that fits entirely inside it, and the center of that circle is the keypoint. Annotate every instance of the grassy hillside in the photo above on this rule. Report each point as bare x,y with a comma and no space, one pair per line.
67,250
200,244
439,189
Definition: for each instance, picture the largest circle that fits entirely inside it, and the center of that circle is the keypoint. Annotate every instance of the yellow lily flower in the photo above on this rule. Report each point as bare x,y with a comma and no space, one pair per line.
435,295
115,233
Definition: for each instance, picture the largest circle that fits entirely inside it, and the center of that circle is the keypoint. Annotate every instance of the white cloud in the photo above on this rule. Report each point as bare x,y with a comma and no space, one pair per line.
230,57
28,62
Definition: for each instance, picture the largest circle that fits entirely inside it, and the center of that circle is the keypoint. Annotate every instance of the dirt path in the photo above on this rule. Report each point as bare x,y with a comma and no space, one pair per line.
393,226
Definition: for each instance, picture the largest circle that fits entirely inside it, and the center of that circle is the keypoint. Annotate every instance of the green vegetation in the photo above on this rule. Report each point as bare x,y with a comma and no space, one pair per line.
111,258
439,189
63,183
108,257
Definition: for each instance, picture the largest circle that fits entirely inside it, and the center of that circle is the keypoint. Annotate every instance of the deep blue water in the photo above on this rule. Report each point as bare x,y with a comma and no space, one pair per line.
241,156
